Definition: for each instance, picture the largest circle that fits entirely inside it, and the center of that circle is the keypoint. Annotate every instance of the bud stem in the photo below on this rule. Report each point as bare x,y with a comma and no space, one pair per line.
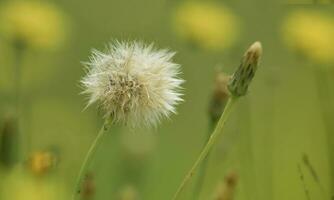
18,52
88,158
212,140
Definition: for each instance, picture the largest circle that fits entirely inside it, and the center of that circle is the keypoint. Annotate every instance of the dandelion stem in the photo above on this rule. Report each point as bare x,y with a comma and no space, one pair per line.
323,89
17,75
17,67
247,153
88,159
212,140
201,174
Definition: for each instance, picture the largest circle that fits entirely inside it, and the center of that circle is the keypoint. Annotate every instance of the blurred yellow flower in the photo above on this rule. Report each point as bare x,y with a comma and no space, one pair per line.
34,23
41,162
207,24
310,33
19,185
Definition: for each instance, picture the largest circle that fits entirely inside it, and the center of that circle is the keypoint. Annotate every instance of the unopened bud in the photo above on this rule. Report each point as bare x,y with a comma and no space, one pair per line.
219,97
242,78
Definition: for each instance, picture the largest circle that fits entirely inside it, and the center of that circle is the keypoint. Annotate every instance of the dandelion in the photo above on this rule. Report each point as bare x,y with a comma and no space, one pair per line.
133,83
237,87
28,24
21,185
209,25
310,33
41,162
33,23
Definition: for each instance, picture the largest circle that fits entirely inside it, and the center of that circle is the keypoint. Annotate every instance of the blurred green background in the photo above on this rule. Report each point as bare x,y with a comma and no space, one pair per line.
279,121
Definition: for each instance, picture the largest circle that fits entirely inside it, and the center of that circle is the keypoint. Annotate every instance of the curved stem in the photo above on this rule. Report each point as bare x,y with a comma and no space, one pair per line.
202,169
87,160
212,140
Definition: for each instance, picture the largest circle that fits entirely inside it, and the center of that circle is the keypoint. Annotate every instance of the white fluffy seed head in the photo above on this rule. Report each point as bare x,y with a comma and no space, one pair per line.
133,83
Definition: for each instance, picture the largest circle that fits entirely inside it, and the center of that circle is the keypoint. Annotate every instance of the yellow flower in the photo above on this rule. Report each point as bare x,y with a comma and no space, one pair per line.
209,25
19,185
34,23
41,162
311,33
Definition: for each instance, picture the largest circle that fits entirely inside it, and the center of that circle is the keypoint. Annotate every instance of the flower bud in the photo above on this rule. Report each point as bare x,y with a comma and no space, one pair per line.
219,97
241,79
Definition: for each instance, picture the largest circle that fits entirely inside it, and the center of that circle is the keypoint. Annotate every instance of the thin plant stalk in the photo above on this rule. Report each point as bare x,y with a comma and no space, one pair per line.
324,96
17,69
88,158
202,169
212,140
18,54
269,137
247,153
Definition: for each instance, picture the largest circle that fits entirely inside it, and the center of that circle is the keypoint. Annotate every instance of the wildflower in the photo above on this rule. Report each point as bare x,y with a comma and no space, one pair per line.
209,25
238,84
310,33
41,162
133,83
33,23
20,185
237,87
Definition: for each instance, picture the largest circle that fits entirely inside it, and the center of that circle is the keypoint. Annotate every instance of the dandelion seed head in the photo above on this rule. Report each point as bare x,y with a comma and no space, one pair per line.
133,83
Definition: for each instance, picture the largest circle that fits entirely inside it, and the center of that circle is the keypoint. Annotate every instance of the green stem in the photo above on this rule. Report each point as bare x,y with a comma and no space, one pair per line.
17,77
17,68
203,167
212,140
327,114
248,171
87,160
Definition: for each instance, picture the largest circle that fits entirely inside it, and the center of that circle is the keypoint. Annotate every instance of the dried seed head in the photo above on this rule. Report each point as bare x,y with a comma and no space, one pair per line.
133,83
241,79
